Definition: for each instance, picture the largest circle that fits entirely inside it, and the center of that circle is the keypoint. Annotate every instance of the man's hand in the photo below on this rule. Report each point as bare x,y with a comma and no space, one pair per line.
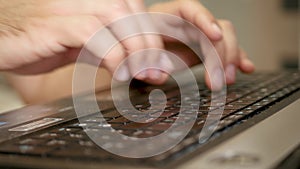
220,32
38,36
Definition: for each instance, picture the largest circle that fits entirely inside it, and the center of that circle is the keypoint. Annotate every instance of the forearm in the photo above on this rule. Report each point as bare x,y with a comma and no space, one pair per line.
41,88
51,86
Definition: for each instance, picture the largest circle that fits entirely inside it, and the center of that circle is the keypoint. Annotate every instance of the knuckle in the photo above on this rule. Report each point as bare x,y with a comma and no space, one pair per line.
119,8
91,24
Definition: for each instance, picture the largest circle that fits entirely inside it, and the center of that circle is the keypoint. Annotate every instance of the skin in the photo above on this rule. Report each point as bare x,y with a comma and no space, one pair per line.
55,30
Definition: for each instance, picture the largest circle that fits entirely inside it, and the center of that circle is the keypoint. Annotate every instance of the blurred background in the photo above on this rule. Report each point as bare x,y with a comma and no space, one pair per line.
269,30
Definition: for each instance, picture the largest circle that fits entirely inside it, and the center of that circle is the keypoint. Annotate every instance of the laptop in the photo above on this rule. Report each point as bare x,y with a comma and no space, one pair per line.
258,127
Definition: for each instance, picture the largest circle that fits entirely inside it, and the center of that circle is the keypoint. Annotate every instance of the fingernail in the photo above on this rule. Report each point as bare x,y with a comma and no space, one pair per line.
122,74
217,30
230,73
217,80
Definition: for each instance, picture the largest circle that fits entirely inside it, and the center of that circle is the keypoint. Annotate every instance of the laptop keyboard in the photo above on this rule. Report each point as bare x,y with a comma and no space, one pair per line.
250,96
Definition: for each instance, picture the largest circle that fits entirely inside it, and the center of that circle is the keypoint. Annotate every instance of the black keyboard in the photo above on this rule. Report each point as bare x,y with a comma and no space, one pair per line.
249,97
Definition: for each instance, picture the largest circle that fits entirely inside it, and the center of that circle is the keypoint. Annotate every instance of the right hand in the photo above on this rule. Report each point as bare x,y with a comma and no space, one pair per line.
221,33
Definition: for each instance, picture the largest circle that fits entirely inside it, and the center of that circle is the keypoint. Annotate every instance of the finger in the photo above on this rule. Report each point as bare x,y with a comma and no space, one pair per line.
196,13
213,62
110,52
232,51
193,12
215,79
114,14
152,41
118,16
127,31
124,28
100,46
246,65
162,80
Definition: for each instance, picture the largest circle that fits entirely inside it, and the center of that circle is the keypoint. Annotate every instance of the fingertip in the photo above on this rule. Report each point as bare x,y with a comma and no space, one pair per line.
141,76
154,74
230,72
163,78
247,66
196,13
122,74
215,81
207,80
